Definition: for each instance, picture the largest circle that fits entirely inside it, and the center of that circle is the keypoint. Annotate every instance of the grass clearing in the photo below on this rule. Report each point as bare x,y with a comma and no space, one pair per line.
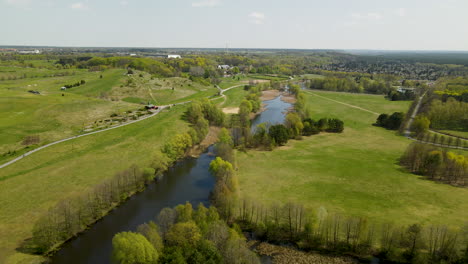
353,173
72,167
234,97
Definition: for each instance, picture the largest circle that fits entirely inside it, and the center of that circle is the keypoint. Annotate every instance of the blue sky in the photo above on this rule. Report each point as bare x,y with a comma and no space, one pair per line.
304,24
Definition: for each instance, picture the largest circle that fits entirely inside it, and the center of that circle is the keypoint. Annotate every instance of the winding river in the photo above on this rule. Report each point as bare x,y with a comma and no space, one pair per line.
189,180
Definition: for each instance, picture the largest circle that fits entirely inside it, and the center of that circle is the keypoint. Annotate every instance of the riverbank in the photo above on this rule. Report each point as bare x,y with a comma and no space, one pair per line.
286,255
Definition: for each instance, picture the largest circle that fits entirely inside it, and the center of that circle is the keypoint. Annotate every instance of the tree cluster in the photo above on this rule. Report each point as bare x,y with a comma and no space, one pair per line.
72,216
392,122
353,85
183,235
436,164
449,115
68,86
337,234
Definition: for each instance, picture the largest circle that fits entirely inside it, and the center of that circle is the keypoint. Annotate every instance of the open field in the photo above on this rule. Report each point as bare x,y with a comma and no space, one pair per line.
54,114
234,97
49,115
462,134
72,167
353,173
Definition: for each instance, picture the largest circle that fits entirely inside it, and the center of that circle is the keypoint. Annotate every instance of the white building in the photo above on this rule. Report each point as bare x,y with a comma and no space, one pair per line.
224,67
29,51
173,56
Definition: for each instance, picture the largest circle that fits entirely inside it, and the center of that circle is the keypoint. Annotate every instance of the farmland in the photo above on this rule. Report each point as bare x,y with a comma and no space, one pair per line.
354,173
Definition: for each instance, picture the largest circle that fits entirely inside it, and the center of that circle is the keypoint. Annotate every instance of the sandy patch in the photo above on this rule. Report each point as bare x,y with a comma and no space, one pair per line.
269,95
210,139
283,254
256,81
231,110
288,98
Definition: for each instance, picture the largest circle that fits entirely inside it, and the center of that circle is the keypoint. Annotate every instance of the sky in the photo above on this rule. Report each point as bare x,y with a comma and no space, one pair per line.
294,24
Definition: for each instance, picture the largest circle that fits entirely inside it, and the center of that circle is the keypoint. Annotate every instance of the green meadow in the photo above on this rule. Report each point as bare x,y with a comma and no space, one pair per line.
32,185
55,114
355,173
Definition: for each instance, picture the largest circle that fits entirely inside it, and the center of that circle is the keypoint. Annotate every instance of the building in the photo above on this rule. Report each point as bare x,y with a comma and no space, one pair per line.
29,51
224,67
402,89
173,56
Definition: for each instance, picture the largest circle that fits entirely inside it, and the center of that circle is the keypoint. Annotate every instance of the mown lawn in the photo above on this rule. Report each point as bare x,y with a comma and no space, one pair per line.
37,182
353,173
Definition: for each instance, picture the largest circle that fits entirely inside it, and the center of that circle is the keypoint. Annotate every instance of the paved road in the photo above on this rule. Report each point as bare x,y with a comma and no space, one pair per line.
103,130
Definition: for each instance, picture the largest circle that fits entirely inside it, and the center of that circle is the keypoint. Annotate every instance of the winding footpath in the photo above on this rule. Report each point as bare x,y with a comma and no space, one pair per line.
110,128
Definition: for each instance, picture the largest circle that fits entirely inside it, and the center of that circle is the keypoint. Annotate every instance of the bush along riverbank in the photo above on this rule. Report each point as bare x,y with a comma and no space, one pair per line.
68,218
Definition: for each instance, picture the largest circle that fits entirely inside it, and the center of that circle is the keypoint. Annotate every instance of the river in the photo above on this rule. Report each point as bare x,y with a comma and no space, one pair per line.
189,180
274,112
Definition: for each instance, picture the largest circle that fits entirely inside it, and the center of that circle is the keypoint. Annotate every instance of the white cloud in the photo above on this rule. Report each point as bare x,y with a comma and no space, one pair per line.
401,12
257,18
123,3
78,5
206,3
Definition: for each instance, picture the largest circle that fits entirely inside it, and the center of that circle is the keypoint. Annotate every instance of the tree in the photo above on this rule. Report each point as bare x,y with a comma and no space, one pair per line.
185,235
131,248
394,120
335,125
225,137
294,124
420,125
322,124
382,120
279,133
151,233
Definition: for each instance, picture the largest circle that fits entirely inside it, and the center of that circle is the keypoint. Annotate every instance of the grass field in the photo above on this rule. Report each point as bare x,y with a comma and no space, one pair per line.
353,173
463,134
56,114
234,97
33,184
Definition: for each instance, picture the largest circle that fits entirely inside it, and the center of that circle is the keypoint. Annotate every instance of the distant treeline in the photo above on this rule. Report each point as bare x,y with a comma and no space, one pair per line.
353,85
